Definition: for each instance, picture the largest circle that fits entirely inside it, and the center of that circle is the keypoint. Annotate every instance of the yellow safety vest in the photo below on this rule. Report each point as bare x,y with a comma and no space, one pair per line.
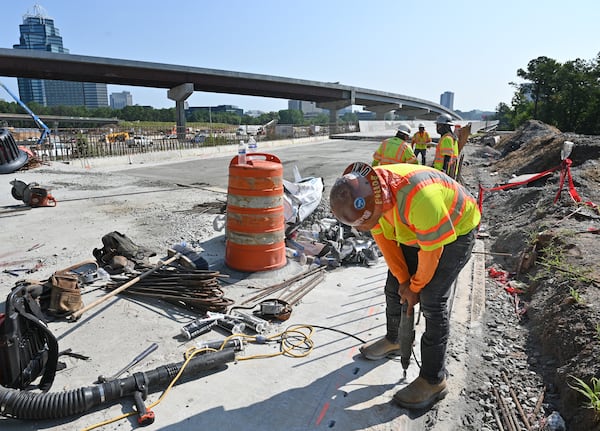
431,209
420,140
394,150
447,146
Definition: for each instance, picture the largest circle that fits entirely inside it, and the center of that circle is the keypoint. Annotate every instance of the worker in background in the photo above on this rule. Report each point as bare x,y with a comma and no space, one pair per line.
420,142
424,223
446,151
396,149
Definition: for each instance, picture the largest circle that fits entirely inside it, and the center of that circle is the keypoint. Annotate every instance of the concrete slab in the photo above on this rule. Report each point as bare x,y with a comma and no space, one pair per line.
328,387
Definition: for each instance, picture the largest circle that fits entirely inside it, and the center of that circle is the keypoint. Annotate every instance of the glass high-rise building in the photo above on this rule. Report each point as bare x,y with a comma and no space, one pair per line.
38,32
121,100
447,99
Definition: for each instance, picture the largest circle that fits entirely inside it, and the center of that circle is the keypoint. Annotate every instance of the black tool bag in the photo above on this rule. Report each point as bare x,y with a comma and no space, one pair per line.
28,348
118,244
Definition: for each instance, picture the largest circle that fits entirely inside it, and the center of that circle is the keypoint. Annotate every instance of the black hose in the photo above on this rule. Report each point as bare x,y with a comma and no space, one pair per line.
27,405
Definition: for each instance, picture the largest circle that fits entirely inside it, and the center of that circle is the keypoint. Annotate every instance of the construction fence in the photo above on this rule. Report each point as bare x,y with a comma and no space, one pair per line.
67,144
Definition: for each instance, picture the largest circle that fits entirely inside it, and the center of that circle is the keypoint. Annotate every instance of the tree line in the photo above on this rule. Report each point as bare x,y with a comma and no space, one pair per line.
150,114
565,95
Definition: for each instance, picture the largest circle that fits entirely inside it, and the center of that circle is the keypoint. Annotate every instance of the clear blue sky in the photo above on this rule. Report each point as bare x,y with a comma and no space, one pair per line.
416,48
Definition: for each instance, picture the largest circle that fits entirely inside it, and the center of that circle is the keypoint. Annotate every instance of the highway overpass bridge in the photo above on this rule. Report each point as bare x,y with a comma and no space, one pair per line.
182,81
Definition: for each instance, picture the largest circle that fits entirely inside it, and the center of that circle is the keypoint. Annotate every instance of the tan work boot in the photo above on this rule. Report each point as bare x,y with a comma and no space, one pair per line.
420,394
380,349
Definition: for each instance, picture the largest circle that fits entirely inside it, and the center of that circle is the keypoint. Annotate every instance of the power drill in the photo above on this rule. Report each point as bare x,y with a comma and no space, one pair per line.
406,336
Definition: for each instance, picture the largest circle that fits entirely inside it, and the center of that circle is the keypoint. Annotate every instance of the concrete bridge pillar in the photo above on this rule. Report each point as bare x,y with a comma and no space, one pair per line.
333,108
381,110
179,94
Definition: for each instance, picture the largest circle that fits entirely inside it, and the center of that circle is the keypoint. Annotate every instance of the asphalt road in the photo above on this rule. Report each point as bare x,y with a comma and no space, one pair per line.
326,159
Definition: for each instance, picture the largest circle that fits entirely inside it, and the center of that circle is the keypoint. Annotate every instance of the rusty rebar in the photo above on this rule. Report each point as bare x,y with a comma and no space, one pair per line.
498,421
517,403
269,290
293,297
506,416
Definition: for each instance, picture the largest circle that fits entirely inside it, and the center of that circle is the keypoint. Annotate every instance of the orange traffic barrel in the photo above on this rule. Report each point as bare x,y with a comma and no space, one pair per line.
255,227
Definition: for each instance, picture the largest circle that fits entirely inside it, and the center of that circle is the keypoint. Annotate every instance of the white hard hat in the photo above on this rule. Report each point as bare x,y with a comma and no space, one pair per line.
403,128
421,125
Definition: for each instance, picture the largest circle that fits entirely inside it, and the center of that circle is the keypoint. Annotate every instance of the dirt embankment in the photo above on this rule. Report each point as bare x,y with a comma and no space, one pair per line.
545,236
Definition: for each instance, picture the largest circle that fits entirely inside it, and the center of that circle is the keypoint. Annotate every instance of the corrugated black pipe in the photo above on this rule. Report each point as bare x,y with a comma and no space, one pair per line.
27,405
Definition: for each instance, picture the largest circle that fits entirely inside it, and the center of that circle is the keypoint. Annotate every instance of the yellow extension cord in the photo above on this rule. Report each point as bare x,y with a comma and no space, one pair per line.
292,339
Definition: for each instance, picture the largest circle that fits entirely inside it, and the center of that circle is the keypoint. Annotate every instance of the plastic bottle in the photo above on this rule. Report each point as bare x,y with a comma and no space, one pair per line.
295,254
241,153
252,145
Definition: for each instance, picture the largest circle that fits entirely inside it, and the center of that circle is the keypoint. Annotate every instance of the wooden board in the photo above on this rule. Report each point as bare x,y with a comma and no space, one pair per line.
463,134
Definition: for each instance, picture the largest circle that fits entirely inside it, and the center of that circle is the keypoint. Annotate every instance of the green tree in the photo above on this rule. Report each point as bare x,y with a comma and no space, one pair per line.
564,95
291,116
504,115
574,89
541,72
349,117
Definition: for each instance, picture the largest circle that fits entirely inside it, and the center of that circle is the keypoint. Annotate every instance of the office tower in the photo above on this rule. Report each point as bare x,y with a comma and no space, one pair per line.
120,100
309,109
38,32
447,100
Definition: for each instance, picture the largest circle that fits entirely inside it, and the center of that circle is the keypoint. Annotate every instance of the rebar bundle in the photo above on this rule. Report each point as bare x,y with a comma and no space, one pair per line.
196,289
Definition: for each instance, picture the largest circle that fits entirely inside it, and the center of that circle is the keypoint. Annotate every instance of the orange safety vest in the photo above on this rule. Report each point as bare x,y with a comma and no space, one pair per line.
431,209
420,140
394,150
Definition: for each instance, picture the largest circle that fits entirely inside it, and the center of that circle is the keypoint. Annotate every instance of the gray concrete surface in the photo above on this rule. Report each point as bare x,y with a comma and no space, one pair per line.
331,387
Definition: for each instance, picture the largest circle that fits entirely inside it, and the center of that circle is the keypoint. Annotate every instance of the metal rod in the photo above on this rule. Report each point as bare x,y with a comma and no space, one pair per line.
296,296
274,288
516,400
498,421
505,414
538,405
76,315
492,253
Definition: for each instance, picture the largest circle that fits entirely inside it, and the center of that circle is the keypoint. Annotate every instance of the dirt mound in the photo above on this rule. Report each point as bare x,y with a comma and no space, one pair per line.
548,243
536,147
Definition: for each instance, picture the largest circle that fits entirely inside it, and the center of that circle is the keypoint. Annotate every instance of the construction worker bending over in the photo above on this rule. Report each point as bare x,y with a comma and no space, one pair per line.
424,222
420,142
446,151
396,149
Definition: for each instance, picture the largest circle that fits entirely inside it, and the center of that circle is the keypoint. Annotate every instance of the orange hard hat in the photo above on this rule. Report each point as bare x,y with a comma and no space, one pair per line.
356,198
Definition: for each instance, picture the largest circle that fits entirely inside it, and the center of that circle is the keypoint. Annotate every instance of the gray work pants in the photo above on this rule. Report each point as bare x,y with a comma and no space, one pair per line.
433,303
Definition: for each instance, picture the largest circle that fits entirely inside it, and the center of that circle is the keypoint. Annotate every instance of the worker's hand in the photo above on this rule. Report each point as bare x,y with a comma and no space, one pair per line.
403,287
407,295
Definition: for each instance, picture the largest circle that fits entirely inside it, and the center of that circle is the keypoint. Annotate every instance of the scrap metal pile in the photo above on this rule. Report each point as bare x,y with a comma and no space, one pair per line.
330,243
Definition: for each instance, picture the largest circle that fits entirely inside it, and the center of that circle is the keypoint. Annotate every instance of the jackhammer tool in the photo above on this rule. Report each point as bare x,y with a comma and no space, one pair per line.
406,336
138,358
